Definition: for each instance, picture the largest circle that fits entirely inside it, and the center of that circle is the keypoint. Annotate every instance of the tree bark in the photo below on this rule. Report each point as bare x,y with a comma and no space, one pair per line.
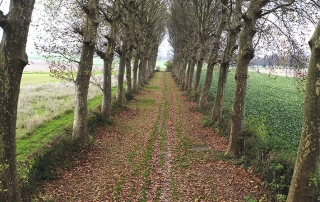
203,101
183,74
135,74
190,79
224,67
246,53
142,69
122,67
79,132
302,188
195,87
13,59
188,75
108,57
107,89
221,90
128,71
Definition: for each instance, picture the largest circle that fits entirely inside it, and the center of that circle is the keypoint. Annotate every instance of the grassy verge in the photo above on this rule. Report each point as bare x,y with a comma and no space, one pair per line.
50,145
44,133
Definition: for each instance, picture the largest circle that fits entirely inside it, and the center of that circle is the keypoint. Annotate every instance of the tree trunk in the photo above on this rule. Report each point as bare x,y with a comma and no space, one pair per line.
107,66
195,87
122,67
135,74
79,132
128,72
221,90
13,59
213,57
190,79
246,53
203,101
227,55
188,75
183,74
107,89
302,187
142,69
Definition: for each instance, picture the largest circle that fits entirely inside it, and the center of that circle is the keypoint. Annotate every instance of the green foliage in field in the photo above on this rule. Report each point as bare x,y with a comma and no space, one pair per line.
273,102
169,65
161,64
273,121
36,77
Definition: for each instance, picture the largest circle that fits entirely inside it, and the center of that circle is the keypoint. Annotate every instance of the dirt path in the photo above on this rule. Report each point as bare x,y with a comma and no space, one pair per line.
155,151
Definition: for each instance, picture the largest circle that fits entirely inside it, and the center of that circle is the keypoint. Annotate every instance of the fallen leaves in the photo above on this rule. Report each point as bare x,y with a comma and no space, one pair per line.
115,168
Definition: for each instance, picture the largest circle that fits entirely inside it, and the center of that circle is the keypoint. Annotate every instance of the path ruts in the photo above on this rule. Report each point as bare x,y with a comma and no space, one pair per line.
156,150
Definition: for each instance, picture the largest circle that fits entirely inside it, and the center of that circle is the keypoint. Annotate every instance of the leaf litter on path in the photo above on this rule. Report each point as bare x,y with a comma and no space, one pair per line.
156,150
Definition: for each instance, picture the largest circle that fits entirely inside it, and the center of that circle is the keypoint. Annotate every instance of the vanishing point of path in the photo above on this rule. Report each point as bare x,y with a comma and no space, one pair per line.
156,150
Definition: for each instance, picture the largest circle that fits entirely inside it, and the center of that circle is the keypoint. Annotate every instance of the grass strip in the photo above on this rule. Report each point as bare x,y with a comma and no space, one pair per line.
146,160
43,134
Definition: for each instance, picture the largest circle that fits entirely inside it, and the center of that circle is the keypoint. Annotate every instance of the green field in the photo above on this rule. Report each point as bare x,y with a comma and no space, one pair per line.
36,77
160,63
274,103
273,124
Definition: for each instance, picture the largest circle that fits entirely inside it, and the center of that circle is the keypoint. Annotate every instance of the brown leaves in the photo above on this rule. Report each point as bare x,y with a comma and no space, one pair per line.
115,168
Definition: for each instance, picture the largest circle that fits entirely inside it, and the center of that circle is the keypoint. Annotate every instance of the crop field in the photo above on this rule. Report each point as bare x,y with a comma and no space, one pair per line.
36,78
273,105
160,63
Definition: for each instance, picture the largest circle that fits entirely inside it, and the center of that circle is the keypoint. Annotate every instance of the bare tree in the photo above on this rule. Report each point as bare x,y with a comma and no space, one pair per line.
13,59
213,56
89,33
234,28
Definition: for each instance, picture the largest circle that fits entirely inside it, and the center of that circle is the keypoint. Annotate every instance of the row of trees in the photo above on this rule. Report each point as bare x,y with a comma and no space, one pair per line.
75,32
219,32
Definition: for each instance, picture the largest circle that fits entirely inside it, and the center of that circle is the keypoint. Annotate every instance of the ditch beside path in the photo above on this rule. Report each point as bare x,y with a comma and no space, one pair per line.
156,150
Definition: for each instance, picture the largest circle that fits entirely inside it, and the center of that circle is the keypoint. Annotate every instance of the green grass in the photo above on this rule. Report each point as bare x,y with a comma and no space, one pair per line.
36,78
44,133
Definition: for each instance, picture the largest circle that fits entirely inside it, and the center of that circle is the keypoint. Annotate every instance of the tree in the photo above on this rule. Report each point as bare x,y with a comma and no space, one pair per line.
233,31
303,187
192,26
246,53
213,56
89,33
75,22
13,59
106,50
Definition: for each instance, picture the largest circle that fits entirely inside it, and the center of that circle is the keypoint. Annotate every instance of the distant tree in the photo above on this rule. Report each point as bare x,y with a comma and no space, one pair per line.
304,182
13,59
168,65
192,25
